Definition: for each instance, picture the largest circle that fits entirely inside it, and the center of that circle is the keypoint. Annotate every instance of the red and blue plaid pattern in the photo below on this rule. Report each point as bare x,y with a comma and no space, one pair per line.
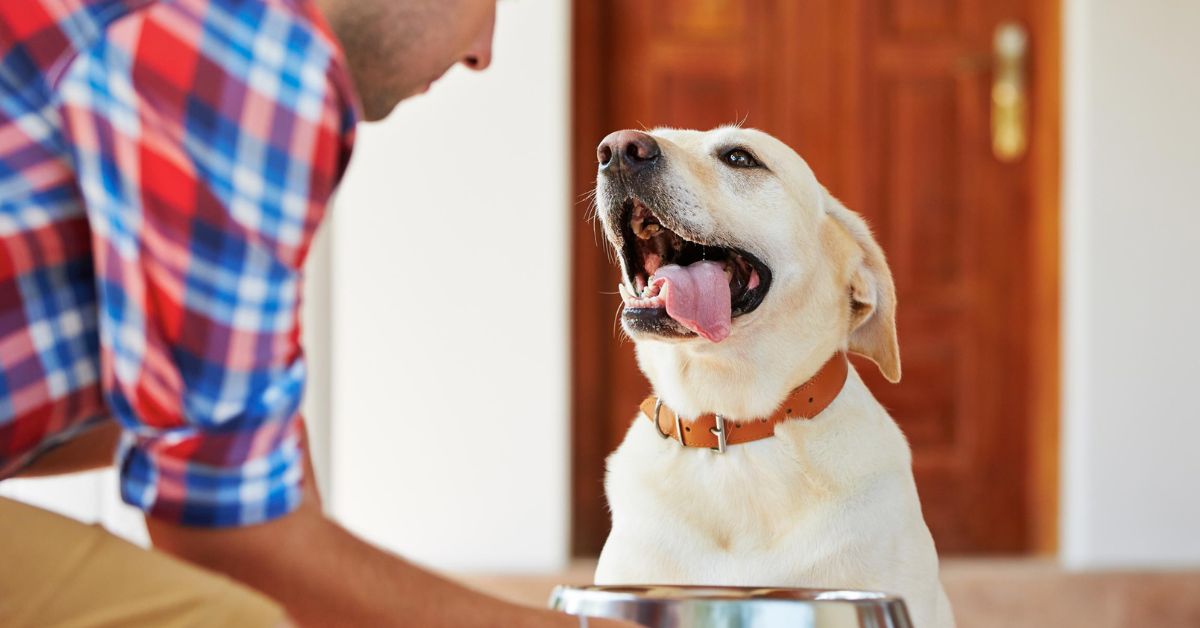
163,167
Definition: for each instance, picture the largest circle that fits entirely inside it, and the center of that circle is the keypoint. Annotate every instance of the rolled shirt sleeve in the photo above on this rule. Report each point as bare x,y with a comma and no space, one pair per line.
207,136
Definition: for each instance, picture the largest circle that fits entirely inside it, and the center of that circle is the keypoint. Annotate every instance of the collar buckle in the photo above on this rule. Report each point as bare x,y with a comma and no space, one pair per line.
719,432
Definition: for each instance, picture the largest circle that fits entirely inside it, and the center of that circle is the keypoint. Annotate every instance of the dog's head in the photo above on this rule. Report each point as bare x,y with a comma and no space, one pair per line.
730,248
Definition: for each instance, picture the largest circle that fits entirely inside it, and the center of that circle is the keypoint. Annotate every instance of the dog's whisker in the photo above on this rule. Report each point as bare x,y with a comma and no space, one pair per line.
596,241
617,319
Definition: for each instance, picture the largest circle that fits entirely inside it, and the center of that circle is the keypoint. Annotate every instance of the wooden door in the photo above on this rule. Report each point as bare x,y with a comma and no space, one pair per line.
889,101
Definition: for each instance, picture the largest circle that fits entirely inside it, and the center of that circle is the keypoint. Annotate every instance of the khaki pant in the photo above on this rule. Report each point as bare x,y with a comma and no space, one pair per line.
56,571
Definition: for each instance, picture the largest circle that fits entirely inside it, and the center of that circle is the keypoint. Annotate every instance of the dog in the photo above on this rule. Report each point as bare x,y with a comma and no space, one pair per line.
744,284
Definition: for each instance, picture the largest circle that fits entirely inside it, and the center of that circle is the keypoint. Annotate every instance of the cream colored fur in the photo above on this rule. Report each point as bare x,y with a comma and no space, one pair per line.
827,503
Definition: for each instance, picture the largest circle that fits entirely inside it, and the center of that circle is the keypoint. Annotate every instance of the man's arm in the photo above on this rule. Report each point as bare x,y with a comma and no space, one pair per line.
324,576
88,451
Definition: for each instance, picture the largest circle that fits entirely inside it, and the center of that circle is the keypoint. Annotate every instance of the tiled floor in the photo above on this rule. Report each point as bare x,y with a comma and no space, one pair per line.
989,593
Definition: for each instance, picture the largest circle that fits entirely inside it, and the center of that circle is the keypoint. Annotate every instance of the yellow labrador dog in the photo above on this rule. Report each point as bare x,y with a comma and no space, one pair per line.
763,459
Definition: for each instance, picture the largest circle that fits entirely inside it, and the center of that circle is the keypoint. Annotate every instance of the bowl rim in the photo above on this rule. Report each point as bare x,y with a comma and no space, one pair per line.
717,593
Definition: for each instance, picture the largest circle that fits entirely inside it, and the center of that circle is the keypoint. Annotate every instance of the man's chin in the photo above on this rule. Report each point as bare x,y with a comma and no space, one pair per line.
376,111
380,105
416,90
379,108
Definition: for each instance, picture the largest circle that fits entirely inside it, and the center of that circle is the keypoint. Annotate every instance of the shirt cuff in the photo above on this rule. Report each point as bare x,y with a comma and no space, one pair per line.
214,479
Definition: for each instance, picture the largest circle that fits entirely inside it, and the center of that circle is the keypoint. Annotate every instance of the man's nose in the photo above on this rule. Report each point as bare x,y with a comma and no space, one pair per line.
631,150
479,55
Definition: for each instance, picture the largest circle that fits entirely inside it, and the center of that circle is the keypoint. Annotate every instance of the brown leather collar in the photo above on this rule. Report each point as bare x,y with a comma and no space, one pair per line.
716,432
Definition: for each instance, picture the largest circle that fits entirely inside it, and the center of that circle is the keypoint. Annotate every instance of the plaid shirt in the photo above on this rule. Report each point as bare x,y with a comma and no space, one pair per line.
163,166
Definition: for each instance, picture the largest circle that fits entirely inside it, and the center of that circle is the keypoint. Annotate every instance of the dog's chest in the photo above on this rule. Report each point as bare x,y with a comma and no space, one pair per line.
782,504
750,498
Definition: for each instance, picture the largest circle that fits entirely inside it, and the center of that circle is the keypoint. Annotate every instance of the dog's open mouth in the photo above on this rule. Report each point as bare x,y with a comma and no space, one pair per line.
678,287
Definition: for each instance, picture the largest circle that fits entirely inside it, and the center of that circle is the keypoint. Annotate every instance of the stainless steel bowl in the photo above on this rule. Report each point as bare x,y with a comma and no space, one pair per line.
734,607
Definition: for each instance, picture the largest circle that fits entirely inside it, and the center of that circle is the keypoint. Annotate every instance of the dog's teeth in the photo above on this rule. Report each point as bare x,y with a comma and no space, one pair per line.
625,293
640,228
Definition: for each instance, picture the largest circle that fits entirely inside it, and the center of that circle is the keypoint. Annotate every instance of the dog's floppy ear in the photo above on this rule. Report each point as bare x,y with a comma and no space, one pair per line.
872,295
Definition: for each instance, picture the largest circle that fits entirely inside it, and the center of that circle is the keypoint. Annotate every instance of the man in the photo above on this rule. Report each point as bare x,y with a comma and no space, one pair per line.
163,167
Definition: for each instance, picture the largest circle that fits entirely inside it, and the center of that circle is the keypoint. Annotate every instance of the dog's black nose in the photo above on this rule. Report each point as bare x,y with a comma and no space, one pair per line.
632,150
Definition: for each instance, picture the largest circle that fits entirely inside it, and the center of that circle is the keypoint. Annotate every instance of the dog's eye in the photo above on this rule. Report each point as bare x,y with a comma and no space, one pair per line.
739,158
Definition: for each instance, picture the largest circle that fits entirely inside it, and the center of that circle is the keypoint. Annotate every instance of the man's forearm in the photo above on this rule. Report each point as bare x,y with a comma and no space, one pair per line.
89,451
325,576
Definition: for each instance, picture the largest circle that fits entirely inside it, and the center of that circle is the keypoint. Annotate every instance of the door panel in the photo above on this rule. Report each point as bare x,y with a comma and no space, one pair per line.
889,102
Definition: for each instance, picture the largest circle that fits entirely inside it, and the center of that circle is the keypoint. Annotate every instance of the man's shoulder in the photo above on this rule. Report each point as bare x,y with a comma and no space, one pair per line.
175,50
241,28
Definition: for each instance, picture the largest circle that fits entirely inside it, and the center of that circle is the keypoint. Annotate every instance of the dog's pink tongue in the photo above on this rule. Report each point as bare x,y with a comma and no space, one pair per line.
697,296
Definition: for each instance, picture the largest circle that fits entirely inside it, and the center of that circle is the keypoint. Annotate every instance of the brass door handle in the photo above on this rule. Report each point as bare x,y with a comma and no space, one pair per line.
1010,125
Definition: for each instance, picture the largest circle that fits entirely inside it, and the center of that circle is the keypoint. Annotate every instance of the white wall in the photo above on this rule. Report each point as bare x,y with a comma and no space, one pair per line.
317,329
1132,280
450,408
